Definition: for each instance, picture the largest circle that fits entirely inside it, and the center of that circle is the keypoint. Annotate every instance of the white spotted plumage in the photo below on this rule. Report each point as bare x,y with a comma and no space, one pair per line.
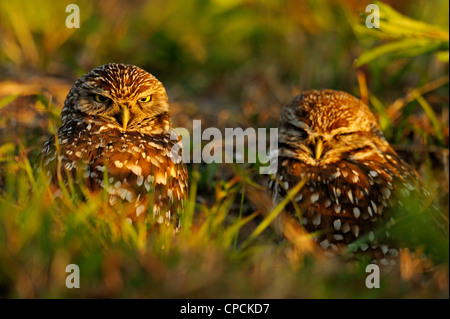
333,140
133,150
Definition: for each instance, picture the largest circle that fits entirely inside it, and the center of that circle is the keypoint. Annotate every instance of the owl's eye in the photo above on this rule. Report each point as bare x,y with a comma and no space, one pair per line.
302,133
145,99
101,99
341,135
297,131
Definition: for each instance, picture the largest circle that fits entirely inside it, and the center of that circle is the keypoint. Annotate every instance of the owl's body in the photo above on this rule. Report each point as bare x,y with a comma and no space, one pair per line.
117,134
332,140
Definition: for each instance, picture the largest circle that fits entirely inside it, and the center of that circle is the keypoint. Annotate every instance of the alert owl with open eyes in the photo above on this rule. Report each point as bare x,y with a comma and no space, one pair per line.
117,133
353,176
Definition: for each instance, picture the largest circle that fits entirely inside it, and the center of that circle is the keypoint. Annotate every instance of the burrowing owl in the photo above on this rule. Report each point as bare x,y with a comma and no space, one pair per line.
117,133
332,140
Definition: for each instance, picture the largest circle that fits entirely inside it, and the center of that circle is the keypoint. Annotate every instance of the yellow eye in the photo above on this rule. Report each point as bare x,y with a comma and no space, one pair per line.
145,99
101,98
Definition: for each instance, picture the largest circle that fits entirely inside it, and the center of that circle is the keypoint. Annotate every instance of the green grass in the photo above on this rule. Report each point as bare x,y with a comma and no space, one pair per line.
231,65
217,253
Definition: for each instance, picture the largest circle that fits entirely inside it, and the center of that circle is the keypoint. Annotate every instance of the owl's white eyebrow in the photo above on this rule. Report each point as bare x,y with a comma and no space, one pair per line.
146,93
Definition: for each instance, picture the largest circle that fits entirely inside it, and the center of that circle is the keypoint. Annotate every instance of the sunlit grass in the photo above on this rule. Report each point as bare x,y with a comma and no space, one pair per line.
217,253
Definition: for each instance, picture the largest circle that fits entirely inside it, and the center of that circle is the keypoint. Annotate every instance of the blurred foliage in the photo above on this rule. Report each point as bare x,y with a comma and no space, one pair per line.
410,38
180,40
228,63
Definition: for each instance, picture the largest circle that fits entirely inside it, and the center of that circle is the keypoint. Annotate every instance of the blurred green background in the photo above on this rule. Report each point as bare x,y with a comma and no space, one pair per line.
230,63
223,55
227,62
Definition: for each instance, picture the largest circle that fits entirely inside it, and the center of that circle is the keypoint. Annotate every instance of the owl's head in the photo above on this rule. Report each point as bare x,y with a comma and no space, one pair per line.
320,127
121,95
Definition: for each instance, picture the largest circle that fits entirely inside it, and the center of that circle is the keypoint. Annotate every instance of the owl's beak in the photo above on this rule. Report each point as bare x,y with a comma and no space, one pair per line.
125,115
319,149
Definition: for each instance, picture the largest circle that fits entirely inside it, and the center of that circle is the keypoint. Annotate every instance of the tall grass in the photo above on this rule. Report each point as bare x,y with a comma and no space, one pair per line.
41,235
